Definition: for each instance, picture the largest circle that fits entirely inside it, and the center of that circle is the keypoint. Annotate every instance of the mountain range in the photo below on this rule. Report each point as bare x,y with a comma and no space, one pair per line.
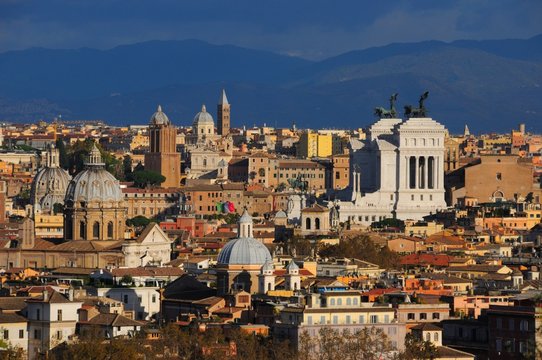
490,85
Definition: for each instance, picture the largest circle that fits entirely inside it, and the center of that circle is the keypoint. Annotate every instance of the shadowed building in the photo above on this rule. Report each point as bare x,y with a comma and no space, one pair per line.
163,157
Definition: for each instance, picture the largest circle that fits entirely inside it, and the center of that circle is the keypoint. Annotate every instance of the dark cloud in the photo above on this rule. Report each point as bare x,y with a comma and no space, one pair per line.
310,28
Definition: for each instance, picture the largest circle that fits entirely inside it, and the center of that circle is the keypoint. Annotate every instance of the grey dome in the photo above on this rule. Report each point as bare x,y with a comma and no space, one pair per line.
94,183
244,251
203,118
159,117
49,188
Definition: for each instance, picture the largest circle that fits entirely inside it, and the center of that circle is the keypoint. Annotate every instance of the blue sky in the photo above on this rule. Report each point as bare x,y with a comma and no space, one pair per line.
309,28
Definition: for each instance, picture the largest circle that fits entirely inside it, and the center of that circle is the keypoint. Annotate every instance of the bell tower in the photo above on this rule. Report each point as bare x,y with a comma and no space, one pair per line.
163,157
223,115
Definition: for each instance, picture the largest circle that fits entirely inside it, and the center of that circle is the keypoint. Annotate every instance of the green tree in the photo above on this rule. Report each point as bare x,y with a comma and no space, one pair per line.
147,178
63,154
127,167
58,208
361,247
416,349
138,221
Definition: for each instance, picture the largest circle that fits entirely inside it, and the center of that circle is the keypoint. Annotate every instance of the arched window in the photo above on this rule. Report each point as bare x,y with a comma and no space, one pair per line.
332,302
205,162
428,336
308,224
348,302
295,286
268,286
110,229
317,223
96,230
83,230
339,301
435,336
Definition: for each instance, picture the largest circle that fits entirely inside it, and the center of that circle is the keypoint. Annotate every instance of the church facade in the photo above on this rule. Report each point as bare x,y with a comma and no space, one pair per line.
396,172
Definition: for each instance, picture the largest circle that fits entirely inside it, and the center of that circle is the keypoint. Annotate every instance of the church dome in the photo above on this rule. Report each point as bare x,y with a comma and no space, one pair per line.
49,188
203,118
50,183
159,117
245,250
94,183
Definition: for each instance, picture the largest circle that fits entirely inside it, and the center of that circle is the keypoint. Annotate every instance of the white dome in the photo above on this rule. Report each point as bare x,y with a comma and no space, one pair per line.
159,117
203,118
49,188
94,183
244,251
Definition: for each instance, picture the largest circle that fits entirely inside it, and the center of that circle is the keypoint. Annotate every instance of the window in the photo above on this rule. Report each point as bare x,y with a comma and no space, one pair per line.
348,319
59,335
335,319
348,302
511,324
386,319
21,334
317,223
362,319
6,334
374,319
522,347
436,316
435,336
499,176
332,302
411,316
339,302
38,314
110,230
355,301
59,315
524,325
96,230
428,336
126,299
322,319
498,345
154,298
37,334
309,320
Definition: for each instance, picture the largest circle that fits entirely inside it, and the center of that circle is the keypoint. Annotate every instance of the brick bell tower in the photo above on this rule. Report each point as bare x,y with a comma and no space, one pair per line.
223,115
163,157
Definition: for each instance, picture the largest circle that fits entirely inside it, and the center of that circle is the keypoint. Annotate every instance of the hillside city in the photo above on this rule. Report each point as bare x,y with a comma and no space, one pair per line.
193,239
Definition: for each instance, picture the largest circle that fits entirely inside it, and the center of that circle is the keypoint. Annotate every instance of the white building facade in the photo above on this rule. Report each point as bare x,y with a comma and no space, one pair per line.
397,171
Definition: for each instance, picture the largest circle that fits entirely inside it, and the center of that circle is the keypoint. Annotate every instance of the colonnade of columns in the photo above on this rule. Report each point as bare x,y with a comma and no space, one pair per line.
422,172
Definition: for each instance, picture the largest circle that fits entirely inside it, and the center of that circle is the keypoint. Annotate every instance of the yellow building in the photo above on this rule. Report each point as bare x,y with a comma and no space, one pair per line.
49,226
315,145
139,141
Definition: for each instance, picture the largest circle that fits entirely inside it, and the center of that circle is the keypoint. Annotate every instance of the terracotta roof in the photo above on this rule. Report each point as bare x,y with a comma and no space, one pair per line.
113,320
449,353
426,259
427,327
7,318
213,300
12,303
54,298
316,208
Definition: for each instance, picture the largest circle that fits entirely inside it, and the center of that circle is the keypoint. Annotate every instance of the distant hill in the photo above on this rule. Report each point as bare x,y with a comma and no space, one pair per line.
487,84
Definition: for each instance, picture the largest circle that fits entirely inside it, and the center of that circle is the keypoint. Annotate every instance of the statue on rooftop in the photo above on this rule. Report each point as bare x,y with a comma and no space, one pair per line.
387,113
420,111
